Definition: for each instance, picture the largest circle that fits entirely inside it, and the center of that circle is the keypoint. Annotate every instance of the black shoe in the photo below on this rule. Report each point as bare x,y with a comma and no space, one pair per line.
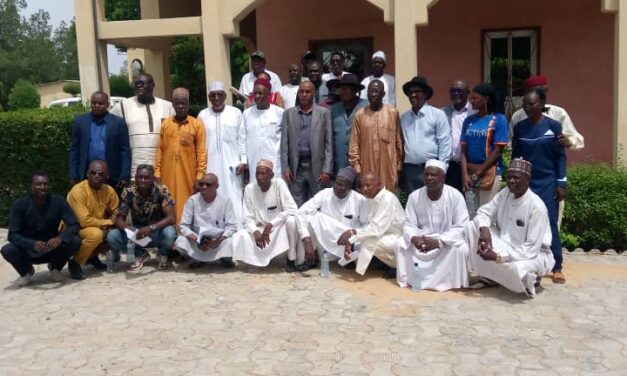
196,265
76,272
304,267
290,266
390,273
227,262
96,263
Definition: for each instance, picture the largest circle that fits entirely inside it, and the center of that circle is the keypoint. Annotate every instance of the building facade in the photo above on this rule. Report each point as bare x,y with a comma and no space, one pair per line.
580,45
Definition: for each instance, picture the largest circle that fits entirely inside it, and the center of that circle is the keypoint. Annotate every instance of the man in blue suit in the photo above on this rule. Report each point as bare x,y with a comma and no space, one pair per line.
100,135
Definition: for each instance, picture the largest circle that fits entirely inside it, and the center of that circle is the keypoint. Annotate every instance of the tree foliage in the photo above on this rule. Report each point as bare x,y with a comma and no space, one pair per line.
122,10
72,88
119,86
31,50
23,95
187,67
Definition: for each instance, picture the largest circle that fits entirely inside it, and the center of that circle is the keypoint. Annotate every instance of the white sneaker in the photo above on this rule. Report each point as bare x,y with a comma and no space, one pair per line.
23,281
56,275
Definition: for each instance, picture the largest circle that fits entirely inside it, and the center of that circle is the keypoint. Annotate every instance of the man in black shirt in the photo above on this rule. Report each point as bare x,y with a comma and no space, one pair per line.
34,236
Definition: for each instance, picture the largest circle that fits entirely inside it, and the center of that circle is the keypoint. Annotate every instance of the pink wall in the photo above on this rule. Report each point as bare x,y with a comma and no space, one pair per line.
576,55
576,48
285,27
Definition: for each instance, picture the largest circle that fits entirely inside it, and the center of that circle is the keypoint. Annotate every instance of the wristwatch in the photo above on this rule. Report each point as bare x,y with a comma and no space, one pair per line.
474,177
153,227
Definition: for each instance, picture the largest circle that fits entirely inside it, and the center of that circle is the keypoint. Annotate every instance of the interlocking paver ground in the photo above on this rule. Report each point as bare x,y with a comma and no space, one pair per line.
267,322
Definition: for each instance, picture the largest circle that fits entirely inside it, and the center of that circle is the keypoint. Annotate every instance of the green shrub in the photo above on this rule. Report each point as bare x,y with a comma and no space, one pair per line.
33,140
23,95
72,88
118,83
595,215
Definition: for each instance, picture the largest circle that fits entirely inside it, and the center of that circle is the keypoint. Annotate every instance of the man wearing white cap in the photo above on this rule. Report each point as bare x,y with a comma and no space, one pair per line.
433,234
510,237
270,227
332,211
226,145
389,82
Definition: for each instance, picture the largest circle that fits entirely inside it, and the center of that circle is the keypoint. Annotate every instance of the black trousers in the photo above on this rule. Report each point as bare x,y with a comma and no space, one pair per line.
454,175
412,177
22,261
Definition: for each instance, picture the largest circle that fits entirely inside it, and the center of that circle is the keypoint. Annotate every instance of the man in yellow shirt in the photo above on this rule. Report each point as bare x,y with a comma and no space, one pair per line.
94,204
182,153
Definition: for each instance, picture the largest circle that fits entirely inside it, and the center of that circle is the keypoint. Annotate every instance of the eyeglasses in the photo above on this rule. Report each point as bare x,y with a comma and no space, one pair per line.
215,95
97,173
457,91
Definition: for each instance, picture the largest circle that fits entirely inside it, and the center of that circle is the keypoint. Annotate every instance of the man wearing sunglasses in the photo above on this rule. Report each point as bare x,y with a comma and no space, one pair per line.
94,203
207,225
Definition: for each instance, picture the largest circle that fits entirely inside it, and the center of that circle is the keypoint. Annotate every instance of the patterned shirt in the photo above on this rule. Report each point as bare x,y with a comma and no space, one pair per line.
145,210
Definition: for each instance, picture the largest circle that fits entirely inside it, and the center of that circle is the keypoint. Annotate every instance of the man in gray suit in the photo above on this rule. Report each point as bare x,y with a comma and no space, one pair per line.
306,146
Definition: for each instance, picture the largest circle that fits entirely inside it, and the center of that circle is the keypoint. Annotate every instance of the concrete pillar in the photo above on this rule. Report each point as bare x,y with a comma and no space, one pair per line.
620,86
216,45
157,63
92,54
407,16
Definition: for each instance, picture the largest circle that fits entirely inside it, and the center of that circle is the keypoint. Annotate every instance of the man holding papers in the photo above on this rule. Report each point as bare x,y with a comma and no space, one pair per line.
153,216
207,225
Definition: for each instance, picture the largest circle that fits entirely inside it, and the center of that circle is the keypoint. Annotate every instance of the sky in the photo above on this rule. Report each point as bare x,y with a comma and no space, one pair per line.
63,10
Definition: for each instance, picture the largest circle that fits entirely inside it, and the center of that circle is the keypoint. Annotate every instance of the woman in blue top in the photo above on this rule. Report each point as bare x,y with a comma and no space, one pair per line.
536,140
484,136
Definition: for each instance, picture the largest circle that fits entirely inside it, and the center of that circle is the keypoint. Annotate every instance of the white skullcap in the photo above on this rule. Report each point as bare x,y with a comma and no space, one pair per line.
436,163
217,86
379,54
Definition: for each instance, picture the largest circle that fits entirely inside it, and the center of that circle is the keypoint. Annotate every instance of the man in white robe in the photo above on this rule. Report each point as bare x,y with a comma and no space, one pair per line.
270,227
433,234
510,237
143,114
226,146
327,215
384,227
263,129
207,225
258,65
389,82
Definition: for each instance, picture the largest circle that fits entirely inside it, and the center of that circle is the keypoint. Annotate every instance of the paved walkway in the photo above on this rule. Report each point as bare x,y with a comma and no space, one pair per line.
267,322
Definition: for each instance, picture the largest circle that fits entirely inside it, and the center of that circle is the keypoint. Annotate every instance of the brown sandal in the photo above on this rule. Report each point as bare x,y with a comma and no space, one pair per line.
558,278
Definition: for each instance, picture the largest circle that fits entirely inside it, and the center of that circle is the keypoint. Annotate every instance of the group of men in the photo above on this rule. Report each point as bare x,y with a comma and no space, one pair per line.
149,175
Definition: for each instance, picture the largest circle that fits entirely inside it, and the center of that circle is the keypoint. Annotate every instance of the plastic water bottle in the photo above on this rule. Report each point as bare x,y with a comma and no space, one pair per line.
110,261
416,278
471,204
130,252
324,265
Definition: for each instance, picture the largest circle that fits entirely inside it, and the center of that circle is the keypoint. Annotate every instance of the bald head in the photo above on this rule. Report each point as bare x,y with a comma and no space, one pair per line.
370,184
459,94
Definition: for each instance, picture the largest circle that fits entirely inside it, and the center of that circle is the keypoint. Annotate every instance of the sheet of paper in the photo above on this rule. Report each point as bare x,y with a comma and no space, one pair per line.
352,257
141,242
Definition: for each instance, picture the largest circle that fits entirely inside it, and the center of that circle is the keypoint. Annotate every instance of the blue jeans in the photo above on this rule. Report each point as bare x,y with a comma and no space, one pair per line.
162,238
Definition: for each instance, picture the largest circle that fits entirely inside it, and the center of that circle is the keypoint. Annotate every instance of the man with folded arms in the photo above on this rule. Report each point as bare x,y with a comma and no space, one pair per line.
510,237
332,211
433,234
207,225
270,227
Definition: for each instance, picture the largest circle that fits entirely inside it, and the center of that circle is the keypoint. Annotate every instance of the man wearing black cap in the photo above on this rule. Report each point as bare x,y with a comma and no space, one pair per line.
258,65
426,134
342,116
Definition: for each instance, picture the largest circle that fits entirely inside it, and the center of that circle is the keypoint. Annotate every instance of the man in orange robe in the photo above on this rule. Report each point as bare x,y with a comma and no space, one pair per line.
182,153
